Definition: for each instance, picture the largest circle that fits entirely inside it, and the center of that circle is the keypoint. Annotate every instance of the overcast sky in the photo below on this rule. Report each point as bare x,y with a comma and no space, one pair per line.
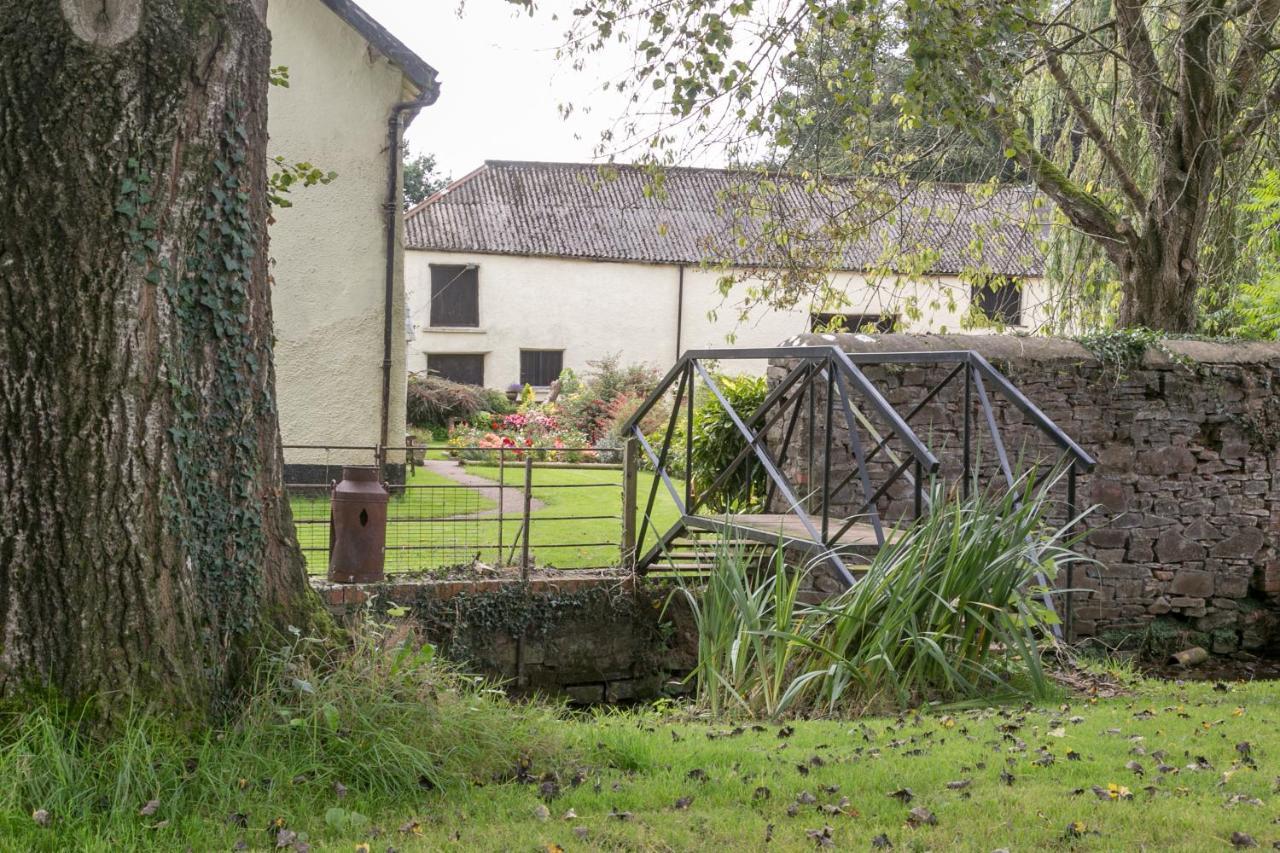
501,84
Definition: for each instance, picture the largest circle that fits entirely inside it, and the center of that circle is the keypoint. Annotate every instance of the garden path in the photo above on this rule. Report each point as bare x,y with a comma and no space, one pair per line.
510,498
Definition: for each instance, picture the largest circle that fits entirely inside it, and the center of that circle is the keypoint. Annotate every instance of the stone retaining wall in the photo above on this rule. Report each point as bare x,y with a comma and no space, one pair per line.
1187,486
592,637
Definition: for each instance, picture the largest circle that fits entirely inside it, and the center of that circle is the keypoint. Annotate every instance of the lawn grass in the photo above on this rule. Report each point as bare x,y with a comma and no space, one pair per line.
581,506
571,497
428,495
655,782
753,780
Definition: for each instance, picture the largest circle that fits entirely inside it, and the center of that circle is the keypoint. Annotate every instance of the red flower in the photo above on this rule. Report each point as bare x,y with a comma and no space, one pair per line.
528,442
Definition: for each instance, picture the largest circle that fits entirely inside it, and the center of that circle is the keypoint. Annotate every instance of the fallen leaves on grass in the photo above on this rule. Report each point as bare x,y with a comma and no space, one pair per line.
821,837
920,816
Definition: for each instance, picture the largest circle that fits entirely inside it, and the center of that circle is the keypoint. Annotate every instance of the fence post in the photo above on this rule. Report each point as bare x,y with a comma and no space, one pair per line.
528,505
630,464
502,498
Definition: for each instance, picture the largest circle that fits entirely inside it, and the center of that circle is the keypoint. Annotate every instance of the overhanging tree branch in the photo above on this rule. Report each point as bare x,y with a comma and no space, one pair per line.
1095,131
1255,44
1148,79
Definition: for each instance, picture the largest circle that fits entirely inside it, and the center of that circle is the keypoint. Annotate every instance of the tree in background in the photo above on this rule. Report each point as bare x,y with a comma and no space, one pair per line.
147,550
421,178
1133,117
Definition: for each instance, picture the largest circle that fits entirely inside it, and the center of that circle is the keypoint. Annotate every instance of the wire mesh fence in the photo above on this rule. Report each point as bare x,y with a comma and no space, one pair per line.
453,507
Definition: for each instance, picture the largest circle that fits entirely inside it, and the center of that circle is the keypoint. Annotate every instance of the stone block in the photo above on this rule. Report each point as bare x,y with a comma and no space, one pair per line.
1192,584
1173,547
1164,461
1116,457
1140,549
1267,577
1111,494
585,694
1192,607
1108,538
1216,619
1160,606
1244,544
1232,583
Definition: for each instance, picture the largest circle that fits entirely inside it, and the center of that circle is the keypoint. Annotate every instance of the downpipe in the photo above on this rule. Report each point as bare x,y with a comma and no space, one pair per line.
391,209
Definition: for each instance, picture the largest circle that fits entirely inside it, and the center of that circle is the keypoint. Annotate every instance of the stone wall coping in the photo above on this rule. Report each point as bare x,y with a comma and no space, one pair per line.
1044,349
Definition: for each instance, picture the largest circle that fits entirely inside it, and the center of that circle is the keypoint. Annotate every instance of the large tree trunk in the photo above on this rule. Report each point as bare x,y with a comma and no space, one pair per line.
1160,284
146,548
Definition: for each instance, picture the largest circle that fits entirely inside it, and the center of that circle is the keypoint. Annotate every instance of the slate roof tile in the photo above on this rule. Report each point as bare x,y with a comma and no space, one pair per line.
581,210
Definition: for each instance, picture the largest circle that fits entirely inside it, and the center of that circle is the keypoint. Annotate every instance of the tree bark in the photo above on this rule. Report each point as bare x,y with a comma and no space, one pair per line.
146,546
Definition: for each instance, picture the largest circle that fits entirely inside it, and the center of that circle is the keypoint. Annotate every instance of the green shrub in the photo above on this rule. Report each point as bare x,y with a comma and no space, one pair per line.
587,403
716,441
495,402
432,401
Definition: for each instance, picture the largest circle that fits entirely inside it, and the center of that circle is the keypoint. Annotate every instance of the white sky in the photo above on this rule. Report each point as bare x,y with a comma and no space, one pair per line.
501,84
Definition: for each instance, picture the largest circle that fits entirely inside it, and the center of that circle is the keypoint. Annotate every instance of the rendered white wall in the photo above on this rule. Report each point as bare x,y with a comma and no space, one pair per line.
329,247
591,309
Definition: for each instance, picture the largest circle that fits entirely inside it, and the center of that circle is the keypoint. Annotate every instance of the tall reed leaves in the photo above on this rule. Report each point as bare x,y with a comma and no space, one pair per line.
947,612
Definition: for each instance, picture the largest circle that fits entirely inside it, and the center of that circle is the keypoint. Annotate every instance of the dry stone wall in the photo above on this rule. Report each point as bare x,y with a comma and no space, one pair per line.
1187,487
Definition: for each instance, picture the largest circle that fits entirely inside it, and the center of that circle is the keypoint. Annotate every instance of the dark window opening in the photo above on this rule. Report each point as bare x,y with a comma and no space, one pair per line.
540,367
999,300
465,368
455,295
880,323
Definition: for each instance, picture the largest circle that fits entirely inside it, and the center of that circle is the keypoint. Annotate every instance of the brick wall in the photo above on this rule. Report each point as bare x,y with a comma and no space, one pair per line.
1187,486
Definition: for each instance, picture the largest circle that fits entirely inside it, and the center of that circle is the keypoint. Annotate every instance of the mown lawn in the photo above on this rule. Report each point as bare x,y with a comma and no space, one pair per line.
581,506
429,496
1011,778
578,526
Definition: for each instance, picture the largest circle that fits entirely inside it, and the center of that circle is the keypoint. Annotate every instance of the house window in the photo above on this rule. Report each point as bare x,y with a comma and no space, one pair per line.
455,292
881,323
540,366
999,300
466,368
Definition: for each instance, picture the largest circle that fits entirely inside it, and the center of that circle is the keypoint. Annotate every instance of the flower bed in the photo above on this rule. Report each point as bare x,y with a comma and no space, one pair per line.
530,432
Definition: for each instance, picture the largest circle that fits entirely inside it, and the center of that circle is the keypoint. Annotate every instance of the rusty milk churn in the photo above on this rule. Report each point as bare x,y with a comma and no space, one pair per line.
357,526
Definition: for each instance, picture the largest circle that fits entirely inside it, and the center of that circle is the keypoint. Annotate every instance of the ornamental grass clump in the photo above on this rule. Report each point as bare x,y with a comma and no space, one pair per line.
950,611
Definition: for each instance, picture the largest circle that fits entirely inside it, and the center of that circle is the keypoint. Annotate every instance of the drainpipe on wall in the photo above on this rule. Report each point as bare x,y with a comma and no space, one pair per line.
391,208
679,311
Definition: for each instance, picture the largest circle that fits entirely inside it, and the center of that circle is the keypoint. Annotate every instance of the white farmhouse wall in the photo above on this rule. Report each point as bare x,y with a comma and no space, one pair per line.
588,309
591,309
329,247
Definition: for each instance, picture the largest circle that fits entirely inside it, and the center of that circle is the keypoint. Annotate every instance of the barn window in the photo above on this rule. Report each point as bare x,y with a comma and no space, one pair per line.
540,367
455,295
824,322
999,300
467,368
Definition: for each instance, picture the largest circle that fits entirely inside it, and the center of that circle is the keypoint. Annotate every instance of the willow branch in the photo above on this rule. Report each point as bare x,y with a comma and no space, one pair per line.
1096,133
1141,58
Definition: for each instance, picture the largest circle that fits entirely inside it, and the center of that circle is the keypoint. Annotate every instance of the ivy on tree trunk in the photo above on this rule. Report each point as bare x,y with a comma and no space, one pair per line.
146,548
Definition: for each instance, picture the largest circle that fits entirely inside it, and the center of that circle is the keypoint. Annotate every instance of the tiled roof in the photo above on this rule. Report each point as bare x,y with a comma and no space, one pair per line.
580,210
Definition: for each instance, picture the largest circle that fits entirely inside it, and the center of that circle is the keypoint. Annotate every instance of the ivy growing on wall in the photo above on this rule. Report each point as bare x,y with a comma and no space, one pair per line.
1122,350
211,367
